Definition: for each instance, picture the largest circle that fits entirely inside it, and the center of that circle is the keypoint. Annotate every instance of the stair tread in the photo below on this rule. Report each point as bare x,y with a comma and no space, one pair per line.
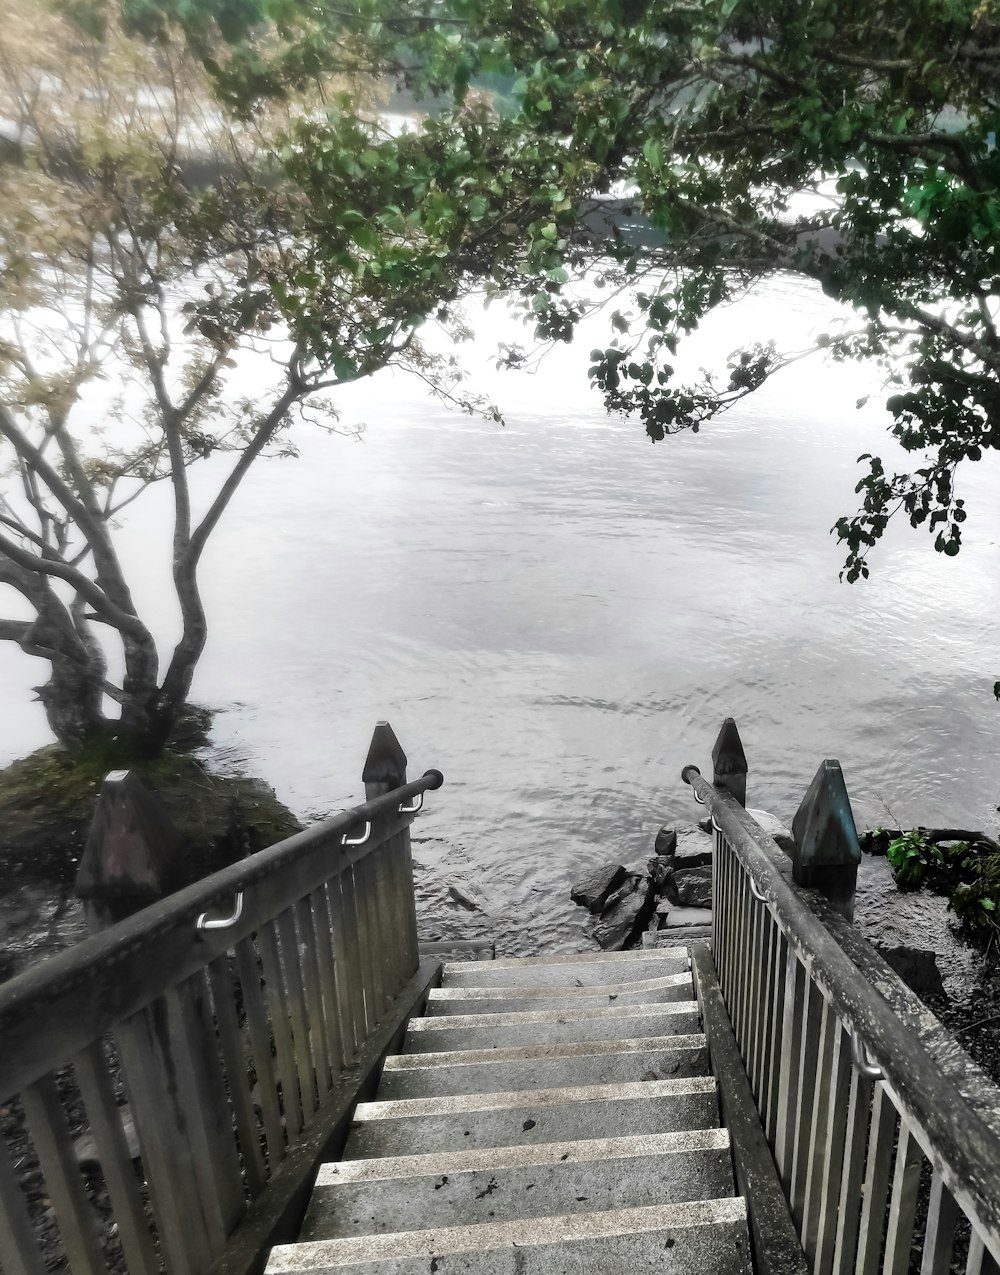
583,971
570,990
554,1026
534,1116
596,1013
384,1167
573,958
416,1192
706,1235
668,989
524,1053
575,1063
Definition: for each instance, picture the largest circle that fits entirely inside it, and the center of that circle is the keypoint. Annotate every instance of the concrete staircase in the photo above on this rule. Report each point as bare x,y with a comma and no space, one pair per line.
549,1115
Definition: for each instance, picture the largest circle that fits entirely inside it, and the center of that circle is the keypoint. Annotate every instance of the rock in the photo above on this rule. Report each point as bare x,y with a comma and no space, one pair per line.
694,886
85,1148
688,918
660,874
626,917
594,891
694,849
665,843
706,824
464,899
917,967
628,887
774,829
921,920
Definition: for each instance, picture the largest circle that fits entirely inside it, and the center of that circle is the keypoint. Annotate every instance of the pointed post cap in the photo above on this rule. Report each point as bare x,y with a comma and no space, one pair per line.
132,848
386,761
728,757
824,828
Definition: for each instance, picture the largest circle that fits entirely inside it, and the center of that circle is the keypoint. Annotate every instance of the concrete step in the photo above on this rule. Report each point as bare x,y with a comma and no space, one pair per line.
707,1236
512,1000
598,1062
366,1197
550,1026
592,969
527,1117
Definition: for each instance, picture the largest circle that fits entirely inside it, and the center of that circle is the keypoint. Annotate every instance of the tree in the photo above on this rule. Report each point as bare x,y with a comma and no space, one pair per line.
150,246
714,120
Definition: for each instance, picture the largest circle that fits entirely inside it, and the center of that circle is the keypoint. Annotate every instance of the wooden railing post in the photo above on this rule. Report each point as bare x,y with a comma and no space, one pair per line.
729,762
132,852
827,852
385,769
165,1051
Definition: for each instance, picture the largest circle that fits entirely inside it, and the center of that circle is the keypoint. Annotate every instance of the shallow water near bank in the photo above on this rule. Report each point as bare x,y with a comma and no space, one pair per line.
558,615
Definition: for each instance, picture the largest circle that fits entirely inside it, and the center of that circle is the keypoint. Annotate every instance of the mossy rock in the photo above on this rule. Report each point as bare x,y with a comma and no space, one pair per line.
47,802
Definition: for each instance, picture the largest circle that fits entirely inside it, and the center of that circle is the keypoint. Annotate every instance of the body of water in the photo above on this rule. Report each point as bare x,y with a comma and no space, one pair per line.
559,615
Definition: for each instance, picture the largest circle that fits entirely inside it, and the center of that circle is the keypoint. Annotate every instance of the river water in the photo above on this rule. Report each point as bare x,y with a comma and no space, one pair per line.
559,615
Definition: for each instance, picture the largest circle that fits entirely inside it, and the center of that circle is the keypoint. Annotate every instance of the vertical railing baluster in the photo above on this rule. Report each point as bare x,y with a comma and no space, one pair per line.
331,977
197,1074
788,1069
94,1079
291,965
738,1007
881,1138
21,1255
754,957
859,1108
284,1048
318,1035
234,1058
732,880
939,1235
903,1203
765,993
356,958
346,960
776,1031
824,1190
259,1028
186,1233
809,1043
63,1180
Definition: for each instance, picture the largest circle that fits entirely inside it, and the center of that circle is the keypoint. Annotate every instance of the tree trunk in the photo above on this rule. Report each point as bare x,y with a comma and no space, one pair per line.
73,699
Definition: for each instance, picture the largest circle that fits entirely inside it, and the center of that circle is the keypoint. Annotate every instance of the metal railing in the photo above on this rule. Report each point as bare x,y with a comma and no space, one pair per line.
226,1014
884,1135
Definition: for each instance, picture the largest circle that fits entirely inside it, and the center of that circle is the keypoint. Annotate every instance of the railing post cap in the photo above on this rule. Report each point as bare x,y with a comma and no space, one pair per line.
824,828
132,848
728,757
386,761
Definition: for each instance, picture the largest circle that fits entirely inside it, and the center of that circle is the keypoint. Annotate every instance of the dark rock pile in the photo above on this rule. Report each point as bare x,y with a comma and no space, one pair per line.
674,893
671,901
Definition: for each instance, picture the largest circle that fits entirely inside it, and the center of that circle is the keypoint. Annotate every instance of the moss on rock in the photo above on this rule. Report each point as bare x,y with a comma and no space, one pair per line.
47,801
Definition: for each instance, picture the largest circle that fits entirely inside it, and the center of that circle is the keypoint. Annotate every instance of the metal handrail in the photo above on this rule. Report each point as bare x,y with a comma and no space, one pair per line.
961,1140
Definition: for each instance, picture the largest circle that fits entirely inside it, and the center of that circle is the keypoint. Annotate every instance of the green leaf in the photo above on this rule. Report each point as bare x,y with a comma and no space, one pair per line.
652,152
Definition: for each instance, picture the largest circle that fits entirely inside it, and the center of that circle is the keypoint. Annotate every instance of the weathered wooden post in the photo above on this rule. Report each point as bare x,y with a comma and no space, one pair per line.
827,851
385,769
165,1051
132,852
729,762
